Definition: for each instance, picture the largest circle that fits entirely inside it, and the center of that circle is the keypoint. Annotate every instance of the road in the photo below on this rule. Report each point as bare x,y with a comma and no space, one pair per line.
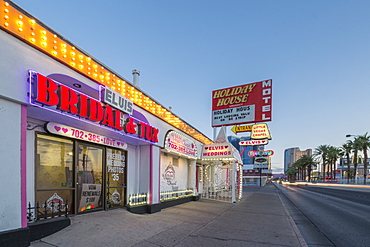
330,216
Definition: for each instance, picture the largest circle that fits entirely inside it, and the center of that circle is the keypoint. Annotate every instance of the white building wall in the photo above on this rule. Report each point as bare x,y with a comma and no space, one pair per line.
155,173
180,167
144,168
10,165
15,61
133,170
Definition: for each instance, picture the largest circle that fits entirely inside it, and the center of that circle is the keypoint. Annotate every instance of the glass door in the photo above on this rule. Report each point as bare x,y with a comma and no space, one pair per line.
89,177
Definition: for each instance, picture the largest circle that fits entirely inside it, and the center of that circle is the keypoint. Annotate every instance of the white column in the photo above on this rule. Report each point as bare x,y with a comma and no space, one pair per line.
155,167
192,175
234,182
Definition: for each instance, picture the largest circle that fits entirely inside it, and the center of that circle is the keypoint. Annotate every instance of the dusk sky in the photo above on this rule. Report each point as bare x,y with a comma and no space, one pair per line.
316,52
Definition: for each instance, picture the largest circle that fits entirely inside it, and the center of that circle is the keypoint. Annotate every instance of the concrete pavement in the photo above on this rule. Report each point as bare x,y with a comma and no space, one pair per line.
260,219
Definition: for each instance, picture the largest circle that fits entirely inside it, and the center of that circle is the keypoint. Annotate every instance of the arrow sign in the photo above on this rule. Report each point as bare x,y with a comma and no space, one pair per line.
243,128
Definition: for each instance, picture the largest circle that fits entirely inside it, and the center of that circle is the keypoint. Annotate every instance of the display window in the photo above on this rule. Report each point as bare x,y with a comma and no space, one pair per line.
116,174
54,173
88,177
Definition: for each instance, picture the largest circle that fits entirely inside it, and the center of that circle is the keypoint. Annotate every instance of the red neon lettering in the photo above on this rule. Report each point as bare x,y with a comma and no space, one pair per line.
51,93
155,134
68,99
108,118
141,129
82,105
129,126
118,120
148,134
46,91
96,111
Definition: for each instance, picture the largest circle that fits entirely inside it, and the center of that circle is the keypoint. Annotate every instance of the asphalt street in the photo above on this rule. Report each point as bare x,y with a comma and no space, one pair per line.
340,216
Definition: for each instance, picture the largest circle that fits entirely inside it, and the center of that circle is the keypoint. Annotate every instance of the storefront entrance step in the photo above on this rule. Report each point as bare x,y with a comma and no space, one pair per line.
142,209
18,237
45,228
154,208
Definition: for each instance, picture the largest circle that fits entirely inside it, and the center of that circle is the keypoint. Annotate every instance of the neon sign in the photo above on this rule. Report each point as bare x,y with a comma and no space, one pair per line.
54,96
175,142
253,142
117,100
254,153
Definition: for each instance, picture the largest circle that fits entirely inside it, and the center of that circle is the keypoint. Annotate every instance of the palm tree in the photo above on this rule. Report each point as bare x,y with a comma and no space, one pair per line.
297,170
364,142
347,149
306,162
291,172
356,146
300,167
322,151
333,154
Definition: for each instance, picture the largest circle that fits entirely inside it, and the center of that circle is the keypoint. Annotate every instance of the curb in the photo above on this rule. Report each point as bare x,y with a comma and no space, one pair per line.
293,224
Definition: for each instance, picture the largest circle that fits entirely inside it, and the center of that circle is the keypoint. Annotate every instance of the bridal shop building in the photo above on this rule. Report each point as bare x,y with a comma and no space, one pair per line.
79,138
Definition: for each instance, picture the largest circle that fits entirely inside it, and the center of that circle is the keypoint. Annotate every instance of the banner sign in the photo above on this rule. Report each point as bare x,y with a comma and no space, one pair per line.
253,142
84,135
90,196
249,103
217,151
175,142
260,131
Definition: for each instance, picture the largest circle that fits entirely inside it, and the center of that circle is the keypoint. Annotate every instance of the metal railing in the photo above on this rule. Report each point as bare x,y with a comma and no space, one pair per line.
172,195
218,193
46,211
137,199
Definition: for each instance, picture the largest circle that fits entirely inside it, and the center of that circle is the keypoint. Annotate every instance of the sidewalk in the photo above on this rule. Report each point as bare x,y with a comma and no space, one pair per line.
260,219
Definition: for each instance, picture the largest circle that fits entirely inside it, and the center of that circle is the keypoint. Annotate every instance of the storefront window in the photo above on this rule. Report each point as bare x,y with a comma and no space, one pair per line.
116,177
85,175
54,172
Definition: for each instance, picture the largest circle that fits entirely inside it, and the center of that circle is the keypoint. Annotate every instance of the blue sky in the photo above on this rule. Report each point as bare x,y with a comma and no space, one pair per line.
316,52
